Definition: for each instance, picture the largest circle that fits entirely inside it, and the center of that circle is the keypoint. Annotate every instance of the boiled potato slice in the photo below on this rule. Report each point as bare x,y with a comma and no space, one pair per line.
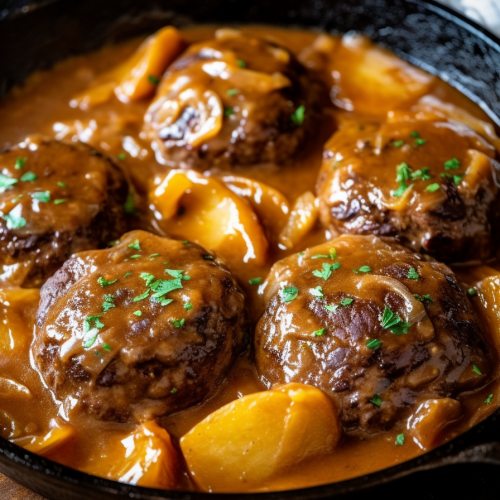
137,77
202,209
430,418
49,444
371,80
253,440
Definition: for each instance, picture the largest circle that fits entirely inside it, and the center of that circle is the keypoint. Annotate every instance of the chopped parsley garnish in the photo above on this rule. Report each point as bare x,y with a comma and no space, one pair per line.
488,399
326,270
109,303
414,134
346,302
471,292
20,162
320,256
137,313
420,142
61,184
403,174
392,322
142,296
92,322
398,144
452,164
29,177
129,205
232,92
61,200
362,269
228,111
166,302
376,400
422,174
161,287
255,281
208,257
457,178
185,242
126,274
153,255
106,347
412,274
298,115
104,282
241,63
188,306
178,322
135,245
424,298
432,187
42,196
153,79
373,344
331,308
317,292
177,273
319,333
14,221
7,182
289,293
173,391
400,440
476,370
135,256
121,156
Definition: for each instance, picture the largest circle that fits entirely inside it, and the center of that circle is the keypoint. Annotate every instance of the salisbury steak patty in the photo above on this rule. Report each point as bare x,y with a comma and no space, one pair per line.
55,199
235,99
432,183
378,328
147,327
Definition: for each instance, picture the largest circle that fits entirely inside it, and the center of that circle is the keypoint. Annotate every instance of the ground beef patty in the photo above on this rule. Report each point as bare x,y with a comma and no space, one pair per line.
235,99
429,182
55,199
145,328
377,327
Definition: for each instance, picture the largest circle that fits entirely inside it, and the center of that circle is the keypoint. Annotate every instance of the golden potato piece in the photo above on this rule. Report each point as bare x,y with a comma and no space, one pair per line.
202,209
371,80
137,77
253,440
49,444
431,417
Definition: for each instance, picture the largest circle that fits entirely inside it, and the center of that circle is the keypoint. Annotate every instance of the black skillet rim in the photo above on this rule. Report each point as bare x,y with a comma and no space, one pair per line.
462,449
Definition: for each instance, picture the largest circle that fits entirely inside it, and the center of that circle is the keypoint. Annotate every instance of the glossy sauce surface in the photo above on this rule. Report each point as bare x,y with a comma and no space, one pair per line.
115,128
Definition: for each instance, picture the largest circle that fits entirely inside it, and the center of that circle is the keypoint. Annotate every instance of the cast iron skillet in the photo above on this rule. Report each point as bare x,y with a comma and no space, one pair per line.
34,36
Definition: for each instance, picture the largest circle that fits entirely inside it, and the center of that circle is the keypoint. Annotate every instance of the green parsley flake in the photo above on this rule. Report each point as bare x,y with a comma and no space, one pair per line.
362,269
61,200
166,302
29,177
420,142
319,333
135,245
432,187
153,255
103,282
89,324
241,63
14,221
392,322
452,164
298,115
178,322
126,274
400,440
412,274
142,296
373,344
109,303
471,292
208,257
331,308
414,134
424,298
457,178
7,182
488,399
121,156
346,302
476,370
376,400
255,281
188,306
129,205
289,293
135,256
403,174
137,313
106,347
422,174
398,144
177,273
320,256
228,111
41,196
317,292
61,184
232,92
326,270
20,162
173,391
185,242
153,79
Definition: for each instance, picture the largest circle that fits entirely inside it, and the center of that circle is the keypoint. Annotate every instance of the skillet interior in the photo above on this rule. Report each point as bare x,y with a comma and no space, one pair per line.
427,35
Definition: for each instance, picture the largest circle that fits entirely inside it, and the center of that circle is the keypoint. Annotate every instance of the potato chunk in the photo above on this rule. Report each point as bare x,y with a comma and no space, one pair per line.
251,441
50,444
